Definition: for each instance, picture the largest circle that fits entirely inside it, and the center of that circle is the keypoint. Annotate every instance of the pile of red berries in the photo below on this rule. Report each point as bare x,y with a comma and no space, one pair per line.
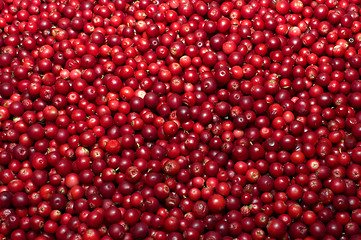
180,119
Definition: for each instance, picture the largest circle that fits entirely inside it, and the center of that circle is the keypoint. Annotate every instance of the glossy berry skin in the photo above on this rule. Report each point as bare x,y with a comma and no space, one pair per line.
180,119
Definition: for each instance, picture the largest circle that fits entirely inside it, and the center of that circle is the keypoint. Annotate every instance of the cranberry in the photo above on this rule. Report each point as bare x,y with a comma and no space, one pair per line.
180,119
